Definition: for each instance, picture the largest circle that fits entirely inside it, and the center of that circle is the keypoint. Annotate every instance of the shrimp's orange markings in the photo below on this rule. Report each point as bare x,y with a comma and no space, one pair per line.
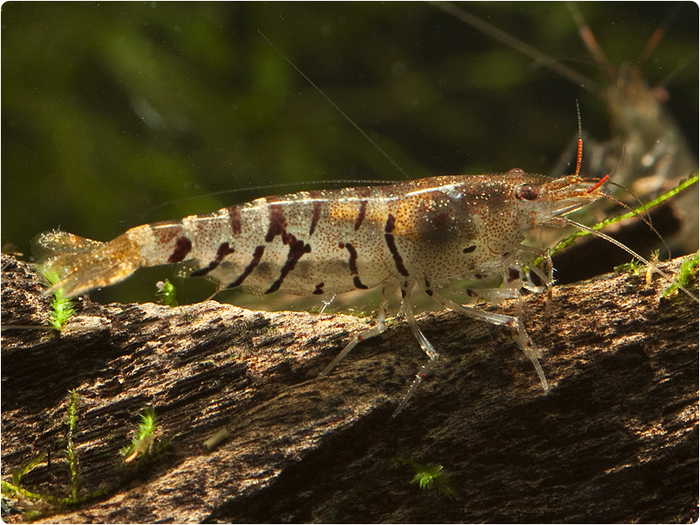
598,184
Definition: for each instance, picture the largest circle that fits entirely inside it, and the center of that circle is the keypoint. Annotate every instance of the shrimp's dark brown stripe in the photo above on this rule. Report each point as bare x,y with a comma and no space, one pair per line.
319,289
358,284
297,249
257,255
278,222
353,258
234,217
183,246
361,215
353,266
398,260
222,252
390,222
316,213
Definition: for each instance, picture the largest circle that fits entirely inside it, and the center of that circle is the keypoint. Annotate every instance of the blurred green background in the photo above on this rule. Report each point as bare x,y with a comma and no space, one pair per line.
112,113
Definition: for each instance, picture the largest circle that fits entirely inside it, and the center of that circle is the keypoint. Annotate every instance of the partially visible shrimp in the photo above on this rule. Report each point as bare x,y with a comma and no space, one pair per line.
647,150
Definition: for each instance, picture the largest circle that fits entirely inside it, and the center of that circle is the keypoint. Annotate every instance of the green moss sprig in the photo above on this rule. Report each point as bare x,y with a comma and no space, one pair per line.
61,308
30,465
144,439
39,505
71,458
688,271
432,476
166,293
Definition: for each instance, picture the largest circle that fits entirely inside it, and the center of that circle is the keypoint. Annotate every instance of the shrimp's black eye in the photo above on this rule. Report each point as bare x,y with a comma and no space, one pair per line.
527,192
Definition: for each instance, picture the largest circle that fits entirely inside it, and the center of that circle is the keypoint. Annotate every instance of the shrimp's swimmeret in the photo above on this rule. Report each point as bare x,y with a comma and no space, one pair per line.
414,236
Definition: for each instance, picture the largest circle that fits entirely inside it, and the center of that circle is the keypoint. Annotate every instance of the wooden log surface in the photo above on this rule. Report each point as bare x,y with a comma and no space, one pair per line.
615,439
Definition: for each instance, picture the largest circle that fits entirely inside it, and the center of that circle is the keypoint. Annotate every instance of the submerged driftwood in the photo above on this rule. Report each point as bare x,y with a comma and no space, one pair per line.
615,440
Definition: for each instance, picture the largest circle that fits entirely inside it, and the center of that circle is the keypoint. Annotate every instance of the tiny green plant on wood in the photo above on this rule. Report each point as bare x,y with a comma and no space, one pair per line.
166,293
30,465
433,476
18,499
144,441
38,505
61,308
71,459
35,505
689,270
631,267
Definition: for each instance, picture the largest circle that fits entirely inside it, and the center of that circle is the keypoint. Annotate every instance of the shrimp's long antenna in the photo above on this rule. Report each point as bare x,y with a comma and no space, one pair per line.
642,209
590,41
632,253
579,152
336,107
659,32
515,43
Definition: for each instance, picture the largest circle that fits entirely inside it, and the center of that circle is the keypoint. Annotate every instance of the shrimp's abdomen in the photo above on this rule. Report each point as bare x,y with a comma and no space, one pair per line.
306,243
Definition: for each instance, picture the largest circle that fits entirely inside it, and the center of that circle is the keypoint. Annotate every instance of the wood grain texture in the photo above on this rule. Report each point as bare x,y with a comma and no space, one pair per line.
615,440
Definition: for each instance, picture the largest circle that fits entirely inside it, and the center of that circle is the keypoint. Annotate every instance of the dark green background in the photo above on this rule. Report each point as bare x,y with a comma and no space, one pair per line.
111,109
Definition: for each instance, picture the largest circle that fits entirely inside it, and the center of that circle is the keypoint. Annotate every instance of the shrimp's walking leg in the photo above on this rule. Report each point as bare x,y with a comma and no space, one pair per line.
519,334
364,334
427,347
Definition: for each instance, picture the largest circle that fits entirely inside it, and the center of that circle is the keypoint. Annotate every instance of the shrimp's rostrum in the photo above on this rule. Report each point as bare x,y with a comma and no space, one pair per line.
417,235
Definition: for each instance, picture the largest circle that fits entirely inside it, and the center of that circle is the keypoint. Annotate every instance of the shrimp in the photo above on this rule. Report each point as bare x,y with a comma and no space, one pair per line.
413,236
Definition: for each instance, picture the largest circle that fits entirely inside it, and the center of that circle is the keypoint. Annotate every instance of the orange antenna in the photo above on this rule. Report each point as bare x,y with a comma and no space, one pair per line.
579,154
598,184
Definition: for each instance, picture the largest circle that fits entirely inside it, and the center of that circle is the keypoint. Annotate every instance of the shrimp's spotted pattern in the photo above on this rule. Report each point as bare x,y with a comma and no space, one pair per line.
418,235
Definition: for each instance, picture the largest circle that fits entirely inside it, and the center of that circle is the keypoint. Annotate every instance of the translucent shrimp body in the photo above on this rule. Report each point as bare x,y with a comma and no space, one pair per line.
414,236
